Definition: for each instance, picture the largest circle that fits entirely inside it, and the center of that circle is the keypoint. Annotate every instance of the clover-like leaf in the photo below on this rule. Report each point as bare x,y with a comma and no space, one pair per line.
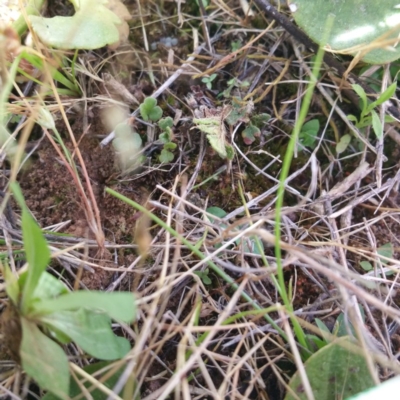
165,156
250,133
166,123
92,26
149,109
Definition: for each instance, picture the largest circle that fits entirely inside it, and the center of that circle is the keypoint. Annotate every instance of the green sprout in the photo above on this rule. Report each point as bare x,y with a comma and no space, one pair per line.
208,80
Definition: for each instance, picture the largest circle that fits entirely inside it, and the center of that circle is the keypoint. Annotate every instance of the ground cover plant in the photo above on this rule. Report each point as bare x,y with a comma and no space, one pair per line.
197,200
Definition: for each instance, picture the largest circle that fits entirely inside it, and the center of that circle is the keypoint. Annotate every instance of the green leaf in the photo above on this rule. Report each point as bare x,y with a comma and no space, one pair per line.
363,96
44,360
323,328
49,287
334,372
385,250
90,331
203,275
97,394
250,133
377,124
37,62
316,342
356,23
216,211
119,306
343,143
36,250
309,132
149,110
352,118
92,26
260,119
165,123
165,156
12,286
170,146
238,114
164,137
366,265
385,96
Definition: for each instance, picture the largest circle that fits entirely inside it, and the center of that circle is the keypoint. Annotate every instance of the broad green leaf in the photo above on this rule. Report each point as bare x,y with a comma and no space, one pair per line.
36,250
49,287
91,331
343,143
334,372
356,23
44,360
117,305
377,124
96,394
92,26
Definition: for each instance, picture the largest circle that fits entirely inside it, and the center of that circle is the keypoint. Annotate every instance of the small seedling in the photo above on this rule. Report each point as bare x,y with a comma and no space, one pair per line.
166,137
208,80
232,83
149,110
250,245
368,115
253,130
204,276
386,251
